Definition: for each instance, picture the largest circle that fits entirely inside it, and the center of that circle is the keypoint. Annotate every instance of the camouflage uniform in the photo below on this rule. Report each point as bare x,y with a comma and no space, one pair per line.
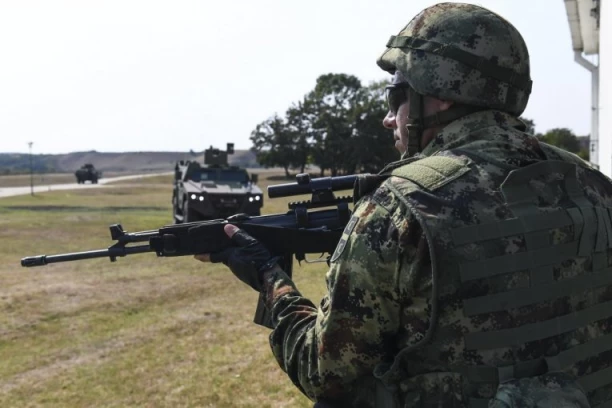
380,285
475,273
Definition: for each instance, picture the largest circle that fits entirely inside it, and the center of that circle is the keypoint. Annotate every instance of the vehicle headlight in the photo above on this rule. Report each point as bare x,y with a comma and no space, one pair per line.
257,198
201,198
250,199
193,196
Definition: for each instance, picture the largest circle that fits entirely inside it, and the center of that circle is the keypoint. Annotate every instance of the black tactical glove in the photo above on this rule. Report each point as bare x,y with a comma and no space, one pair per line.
247,258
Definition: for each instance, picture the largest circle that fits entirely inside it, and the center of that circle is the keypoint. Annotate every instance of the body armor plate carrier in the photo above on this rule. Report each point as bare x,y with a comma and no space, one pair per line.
521,279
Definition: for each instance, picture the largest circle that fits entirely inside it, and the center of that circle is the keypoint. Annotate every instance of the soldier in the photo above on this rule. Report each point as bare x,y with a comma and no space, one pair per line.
475,270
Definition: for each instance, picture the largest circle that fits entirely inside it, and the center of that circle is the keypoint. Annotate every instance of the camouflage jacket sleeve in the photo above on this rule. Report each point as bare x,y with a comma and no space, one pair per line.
327,350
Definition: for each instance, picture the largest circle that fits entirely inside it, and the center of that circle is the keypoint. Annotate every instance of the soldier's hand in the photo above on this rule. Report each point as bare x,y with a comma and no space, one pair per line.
247,258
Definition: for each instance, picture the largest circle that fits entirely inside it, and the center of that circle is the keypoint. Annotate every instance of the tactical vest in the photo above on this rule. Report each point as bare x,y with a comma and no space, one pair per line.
521,280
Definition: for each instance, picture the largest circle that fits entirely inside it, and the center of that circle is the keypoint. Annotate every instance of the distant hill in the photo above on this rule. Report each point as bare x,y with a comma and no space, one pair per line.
14,163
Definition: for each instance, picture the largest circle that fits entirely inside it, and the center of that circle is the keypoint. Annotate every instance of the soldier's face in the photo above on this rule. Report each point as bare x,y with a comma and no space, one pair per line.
396,120
399,106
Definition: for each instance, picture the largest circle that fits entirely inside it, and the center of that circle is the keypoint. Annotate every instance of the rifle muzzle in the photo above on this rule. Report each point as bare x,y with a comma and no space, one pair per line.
39,260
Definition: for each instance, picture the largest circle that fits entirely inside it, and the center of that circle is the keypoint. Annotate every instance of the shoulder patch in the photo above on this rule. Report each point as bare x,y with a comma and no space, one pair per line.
433,172
350,226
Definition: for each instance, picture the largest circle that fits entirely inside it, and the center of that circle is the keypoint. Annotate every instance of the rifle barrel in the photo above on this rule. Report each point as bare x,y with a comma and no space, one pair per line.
41,260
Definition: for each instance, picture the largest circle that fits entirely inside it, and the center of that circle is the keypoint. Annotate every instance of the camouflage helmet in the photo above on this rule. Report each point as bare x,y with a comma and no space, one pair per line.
462,53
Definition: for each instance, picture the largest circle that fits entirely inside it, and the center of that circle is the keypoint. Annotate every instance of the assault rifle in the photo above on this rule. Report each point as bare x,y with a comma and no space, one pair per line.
295,233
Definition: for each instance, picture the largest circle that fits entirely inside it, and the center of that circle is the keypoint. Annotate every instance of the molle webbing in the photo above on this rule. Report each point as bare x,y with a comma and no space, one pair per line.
541,293
486,67
531,223
592,237
536,331
530,259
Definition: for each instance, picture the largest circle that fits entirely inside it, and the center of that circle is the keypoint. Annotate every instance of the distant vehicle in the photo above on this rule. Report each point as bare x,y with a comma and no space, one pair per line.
215,190
88,172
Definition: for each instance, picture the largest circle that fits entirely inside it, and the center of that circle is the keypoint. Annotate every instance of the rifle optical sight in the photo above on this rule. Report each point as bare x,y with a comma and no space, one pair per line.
306,185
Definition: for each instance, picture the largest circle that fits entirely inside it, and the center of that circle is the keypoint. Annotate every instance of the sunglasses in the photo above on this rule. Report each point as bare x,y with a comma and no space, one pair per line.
396,95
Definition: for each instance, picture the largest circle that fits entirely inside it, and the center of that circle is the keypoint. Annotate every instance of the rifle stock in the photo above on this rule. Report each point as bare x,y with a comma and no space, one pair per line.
295,233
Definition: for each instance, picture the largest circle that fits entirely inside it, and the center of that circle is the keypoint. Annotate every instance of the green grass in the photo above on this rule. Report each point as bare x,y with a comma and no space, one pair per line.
144,331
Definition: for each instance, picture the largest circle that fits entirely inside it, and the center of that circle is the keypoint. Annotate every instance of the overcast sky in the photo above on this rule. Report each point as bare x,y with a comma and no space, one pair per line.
176,75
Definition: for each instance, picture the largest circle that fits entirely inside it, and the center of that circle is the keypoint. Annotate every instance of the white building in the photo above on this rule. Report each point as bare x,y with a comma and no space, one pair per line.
590,24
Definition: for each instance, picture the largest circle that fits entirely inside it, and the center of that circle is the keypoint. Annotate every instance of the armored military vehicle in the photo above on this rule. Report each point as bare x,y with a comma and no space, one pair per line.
88,172
213,190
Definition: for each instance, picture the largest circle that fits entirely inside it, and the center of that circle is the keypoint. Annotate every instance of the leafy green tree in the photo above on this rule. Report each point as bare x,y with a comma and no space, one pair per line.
563,138
299,122
330,107
273,143
585,151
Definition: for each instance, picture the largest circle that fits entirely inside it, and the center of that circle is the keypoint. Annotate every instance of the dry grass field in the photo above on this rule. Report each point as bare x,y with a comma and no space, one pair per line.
140,332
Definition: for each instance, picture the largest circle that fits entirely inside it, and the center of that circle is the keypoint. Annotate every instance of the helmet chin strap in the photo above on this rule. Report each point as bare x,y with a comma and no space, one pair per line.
417,122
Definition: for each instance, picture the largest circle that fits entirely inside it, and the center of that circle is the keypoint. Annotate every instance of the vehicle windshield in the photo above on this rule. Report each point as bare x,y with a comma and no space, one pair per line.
218,175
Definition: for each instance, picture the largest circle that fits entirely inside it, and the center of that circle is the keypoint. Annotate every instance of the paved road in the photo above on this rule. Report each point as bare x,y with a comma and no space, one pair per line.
14,191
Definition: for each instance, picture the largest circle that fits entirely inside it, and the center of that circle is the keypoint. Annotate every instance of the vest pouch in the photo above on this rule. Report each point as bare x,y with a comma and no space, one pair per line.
551,390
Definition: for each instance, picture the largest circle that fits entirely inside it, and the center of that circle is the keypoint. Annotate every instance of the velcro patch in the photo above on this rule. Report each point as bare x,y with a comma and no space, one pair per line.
433,172
350,226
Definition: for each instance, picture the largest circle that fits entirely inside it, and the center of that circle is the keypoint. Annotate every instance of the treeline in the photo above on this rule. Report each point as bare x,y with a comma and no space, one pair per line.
143,161
338,127
563,138
19,163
